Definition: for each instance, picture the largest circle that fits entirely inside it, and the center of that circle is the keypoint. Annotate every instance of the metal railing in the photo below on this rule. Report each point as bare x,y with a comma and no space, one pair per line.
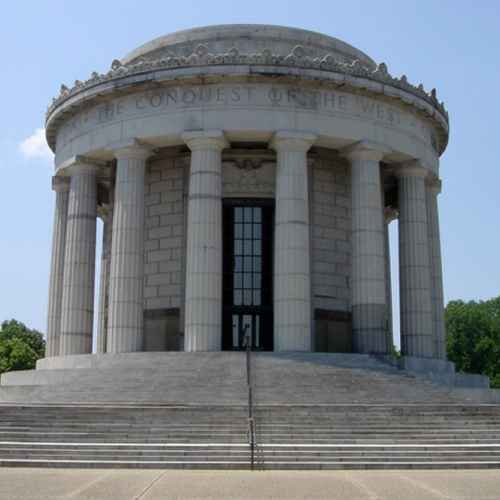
247,342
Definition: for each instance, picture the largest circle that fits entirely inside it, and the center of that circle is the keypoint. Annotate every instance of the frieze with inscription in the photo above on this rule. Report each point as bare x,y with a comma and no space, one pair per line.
174,99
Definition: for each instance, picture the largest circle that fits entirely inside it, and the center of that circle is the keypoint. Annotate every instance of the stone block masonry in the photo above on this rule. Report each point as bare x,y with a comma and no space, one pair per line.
331,240
164,236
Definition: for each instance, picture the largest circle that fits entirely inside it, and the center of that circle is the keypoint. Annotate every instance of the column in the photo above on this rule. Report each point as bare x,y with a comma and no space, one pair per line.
104,283
292,275
79,261
126,278
368,276
203,304
414,263
437,299
61,186
389,215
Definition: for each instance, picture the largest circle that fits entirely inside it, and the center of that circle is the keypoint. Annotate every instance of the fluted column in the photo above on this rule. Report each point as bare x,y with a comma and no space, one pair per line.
79,261
203,304
368,282
437,299
104,284
389,215
414,263
61,186
292,274
126,279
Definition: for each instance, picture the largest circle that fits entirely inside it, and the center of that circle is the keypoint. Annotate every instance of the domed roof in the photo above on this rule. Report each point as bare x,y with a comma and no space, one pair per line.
247,39
244,52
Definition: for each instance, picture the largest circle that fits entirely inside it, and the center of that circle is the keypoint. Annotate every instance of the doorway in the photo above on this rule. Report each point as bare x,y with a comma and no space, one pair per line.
247,274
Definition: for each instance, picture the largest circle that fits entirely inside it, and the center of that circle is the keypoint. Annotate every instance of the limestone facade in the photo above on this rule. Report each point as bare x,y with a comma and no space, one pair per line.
235,201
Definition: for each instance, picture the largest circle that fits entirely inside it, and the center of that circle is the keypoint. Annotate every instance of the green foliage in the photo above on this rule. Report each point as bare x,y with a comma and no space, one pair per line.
473,337
20,347
393,352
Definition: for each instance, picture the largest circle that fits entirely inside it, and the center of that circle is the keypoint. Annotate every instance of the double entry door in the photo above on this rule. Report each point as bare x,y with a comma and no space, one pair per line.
247,274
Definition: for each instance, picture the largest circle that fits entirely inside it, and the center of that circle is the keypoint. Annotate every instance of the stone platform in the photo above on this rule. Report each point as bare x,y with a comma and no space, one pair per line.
219,378
190,410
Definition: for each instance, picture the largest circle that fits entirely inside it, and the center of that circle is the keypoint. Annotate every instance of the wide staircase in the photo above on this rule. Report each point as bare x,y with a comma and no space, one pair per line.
123,436
306,412
378,436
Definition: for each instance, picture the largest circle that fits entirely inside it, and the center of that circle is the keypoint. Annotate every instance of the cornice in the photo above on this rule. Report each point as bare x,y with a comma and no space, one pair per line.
297,58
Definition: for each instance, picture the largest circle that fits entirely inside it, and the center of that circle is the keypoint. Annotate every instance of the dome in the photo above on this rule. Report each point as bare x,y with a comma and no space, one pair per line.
247,39
246,54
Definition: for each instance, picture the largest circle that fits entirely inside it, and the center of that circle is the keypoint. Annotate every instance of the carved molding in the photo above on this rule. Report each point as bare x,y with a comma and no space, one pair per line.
202,57
248,164
248,176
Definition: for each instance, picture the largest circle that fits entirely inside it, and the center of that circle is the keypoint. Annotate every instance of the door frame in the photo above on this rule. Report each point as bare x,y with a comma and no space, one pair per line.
265,310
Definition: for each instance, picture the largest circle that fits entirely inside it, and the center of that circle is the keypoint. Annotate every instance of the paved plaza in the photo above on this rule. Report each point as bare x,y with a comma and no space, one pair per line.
54,484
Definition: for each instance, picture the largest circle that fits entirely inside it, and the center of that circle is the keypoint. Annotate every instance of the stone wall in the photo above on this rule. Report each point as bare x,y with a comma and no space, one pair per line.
166,190
164,253
331,251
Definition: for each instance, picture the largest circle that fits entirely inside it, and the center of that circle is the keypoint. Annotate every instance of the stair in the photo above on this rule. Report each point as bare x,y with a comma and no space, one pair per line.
123,436
189,410
288,436
378,436
220,378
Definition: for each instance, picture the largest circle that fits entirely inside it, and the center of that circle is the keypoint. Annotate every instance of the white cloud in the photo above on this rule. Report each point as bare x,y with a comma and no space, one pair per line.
35,146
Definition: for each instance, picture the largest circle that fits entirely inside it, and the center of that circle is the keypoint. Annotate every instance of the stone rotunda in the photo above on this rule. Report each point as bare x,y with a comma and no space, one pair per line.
246,176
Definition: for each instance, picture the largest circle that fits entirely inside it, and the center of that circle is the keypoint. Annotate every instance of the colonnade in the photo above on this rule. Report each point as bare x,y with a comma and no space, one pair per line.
71,294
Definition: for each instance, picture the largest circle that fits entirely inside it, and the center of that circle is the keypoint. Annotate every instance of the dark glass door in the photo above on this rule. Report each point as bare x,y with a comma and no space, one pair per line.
247,279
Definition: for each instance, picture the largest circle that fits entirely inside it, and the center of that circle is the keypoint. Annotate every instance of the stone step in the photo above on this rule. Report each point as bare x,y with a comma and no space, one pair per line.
492,432
265,461
230,464
220,378
128,464
274,415
288,437
386,465
312,412
262,449
334,432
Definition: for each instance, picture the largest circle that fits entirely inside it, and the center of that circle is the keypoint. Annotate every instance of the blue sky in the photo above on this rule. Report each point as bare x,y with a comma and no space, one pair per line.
451,45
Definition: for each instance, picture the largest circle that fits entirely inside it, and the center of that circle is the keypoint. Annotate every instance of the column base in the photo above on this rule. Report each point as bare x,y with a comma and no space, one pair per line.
369,328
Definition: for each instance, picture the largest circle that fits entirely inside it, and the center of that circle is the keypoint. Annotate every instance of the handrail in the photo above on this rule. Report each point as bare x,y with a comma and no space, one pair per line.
247,339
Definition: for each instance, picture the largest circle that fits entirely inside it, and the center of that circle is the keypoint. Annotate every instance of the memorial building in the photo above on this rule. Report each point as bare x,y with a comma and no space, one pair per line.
246,177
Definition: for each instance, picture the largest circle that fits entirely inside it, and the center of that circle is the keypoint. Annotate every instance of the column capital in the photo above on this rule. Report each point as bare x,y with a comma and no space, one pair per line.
365,150
132,150
434,185
198,140
413,168
80,165
60,184
292,140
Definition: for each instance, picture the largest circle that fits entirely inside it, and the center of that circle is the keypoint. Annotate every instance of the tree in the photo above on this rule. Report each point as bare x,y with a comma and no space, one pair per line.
20,347
473,337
